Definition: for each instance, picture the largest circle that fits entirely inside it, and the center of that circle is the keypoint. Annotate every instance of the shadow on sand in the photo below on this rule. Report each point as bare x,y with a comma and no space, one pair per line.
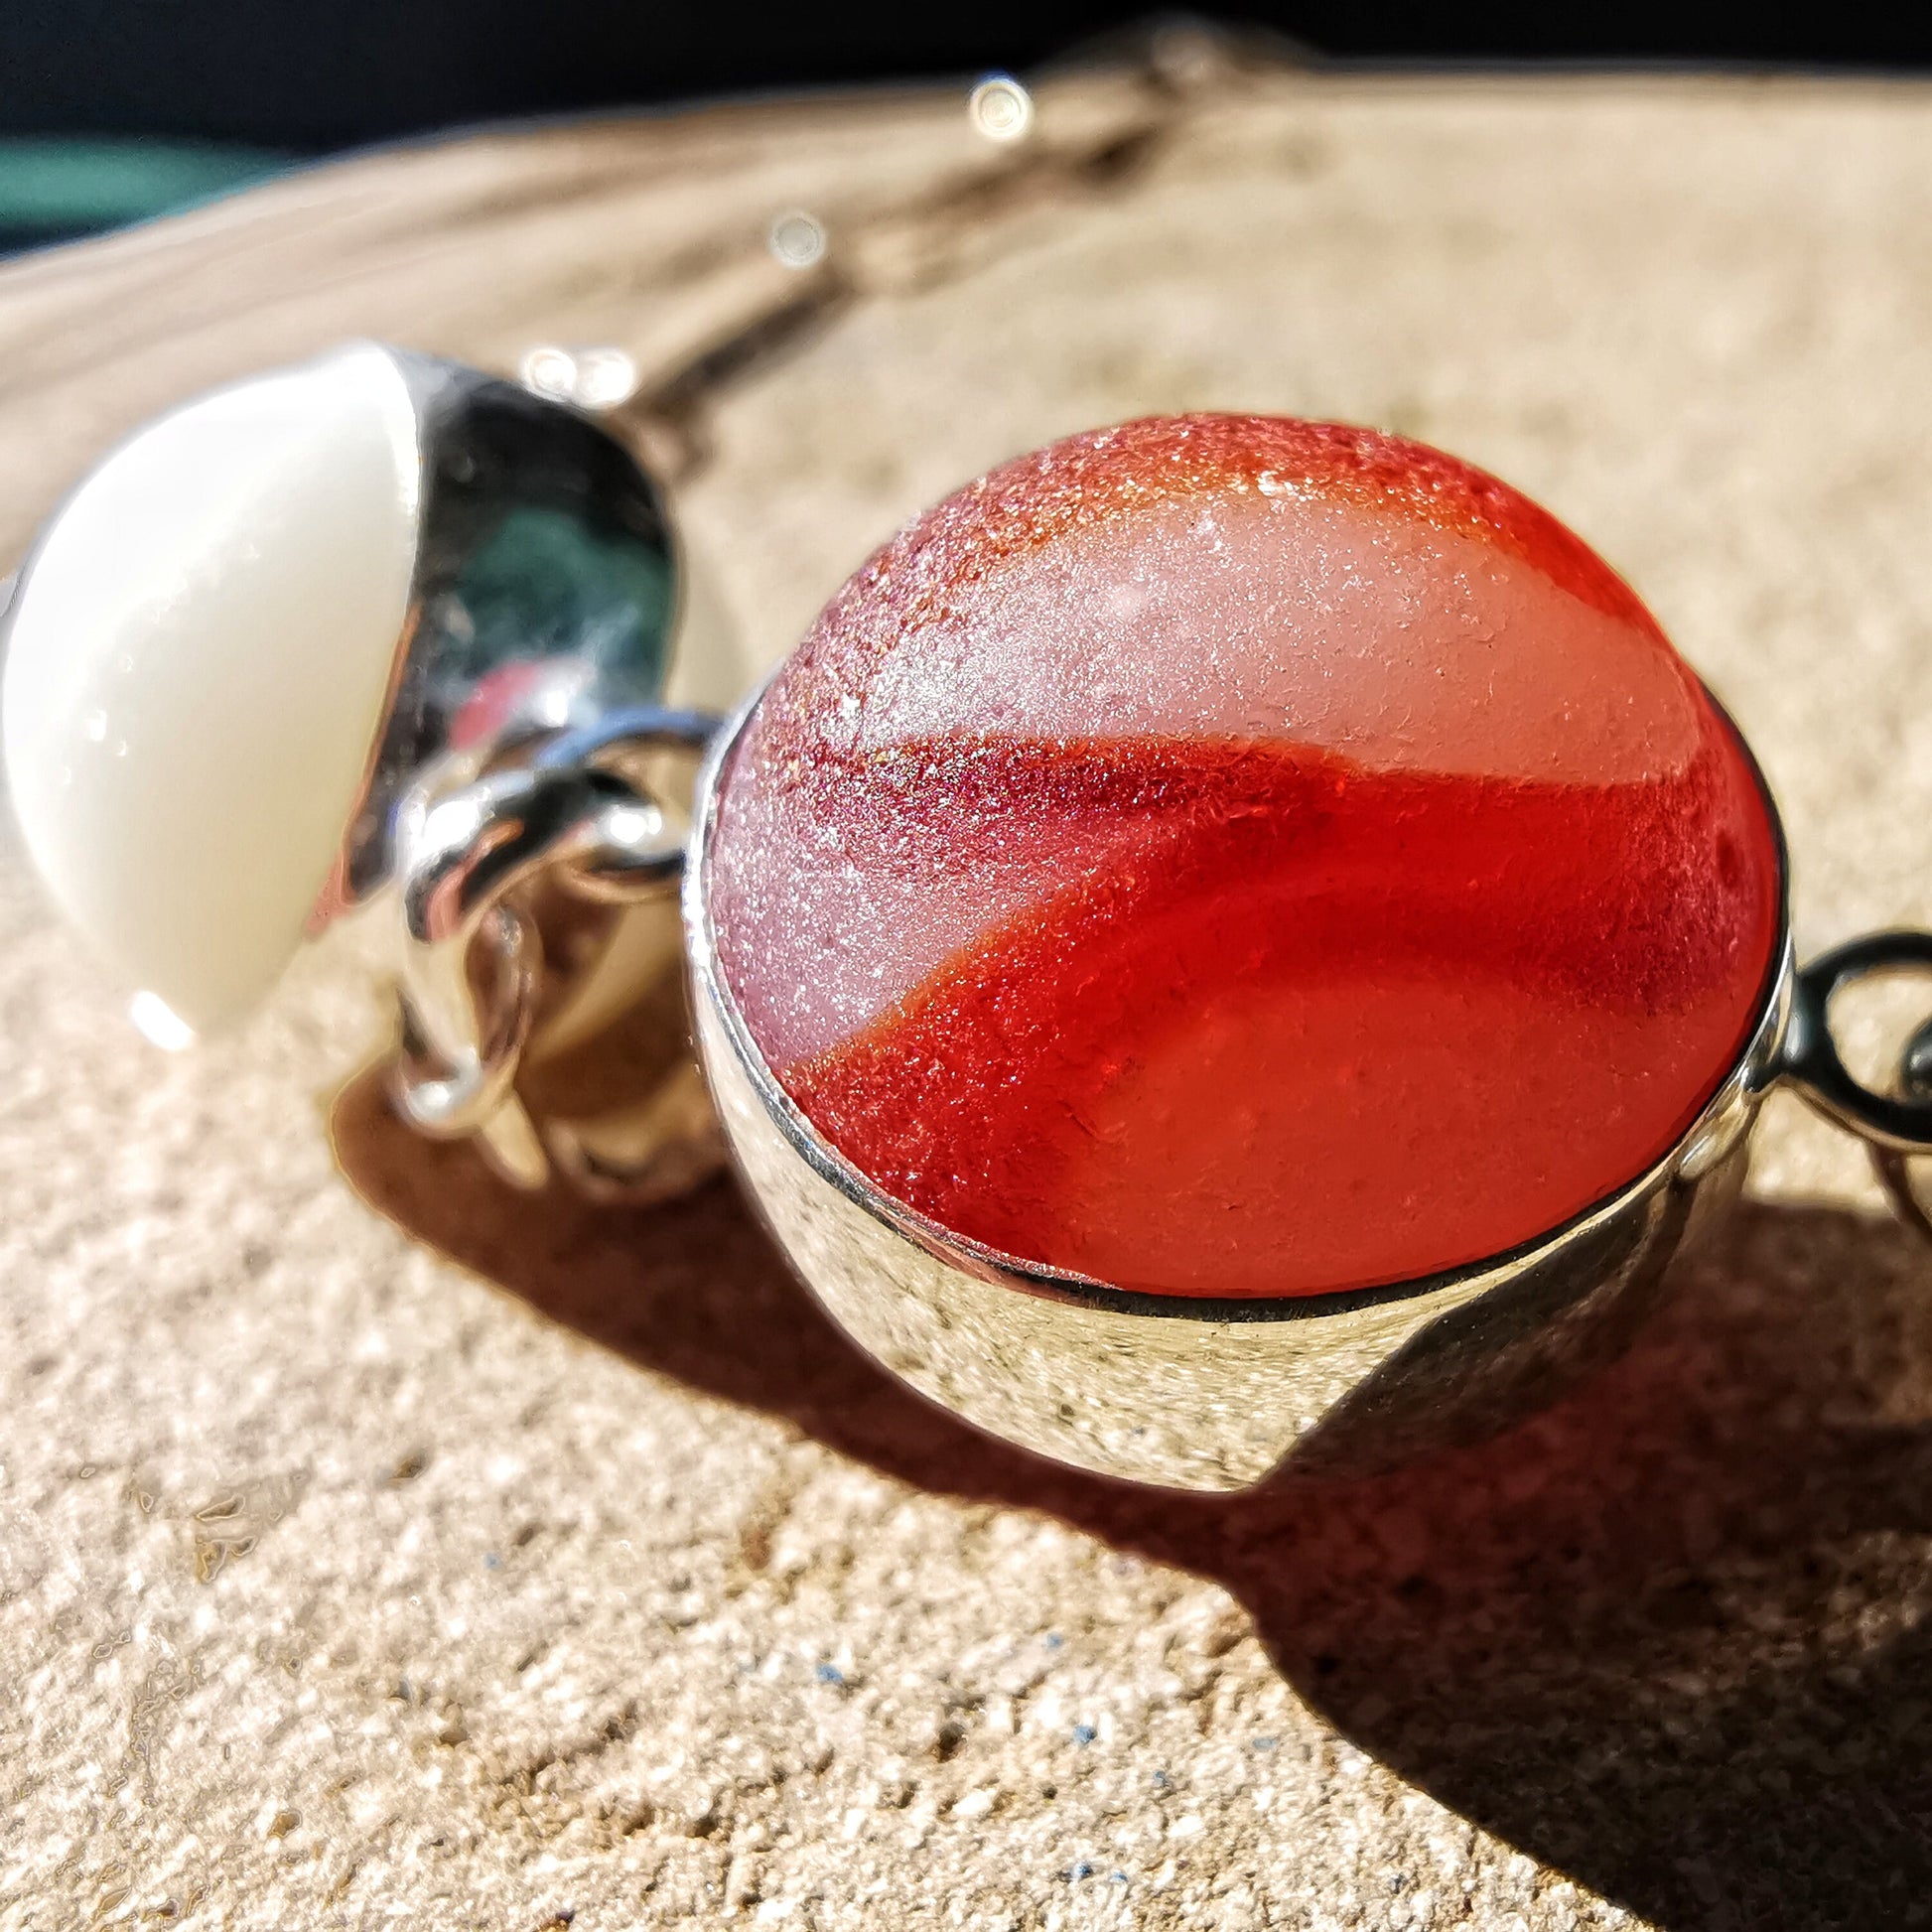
1666,1637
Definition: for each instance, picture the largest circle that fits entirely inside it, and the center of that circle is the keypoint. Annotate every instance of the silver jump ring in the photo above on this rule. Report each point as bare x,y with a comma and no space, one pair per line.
472,969
1895,1124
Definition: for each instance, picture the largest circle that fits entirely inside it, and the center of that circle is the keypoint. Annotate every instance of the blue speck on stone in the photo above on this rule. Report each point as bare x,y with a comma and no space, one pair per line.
1081,1871
1117,1878
830,1674
1084,1733
492,1561
1053,1640
1161,1781
1266,1744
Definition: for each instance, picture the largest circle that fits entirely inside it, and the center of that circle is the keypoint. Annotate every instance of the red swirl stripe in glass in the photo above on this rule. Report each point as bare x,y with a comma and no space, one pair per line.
1227,856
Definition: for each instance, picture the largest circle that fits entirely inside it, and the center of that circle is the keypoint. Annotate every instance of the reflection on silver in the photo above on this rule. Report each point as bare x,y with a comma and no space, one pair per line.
545,591
544,594
472,967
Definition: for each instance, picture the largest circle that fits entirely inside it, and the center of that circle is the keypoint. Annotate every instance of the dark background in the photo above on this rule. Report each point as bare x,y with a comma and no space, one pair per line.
305,76
115,111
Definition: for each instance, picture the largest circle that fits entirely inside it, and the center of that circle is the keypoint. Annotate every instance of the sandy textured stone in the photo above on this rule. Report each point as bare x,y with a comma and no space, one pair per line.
592,1580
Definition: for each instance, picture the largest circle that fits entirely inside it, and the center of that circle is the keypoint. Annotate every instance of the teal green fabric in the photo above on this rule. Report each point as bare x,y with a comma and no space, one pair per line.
57,187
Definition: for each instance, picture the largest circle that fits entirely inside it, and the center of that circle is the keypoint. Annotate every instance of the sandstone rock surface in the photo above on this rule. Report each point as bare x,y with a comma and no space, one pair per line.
474,1566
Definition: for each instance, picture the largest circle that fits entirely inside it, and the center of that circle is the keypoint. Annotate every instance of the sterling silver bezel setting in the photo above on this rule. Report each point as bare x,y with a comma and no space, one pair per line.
1215,1394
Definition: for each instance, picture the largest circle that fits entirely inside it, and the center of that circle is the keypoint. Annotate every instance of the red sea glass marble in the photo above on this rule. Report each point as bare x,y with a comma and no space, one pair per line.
1226,856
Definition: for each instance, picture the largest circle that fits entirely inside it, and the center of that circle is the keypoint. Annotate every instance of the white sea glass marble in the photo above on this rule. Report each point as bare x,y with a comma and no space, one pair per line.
199,657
